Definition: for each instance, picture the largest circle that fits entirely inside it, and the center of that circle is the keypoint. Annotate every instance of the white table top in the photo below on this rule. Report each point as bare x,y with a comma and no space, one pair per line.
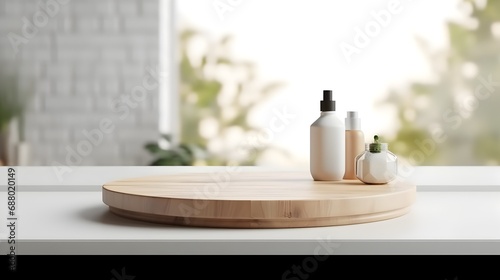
450,216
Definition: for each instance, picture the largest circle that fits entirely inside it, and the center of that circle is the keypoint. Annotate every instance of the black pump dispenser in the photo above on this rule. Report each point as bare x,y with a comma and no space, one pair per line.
327,104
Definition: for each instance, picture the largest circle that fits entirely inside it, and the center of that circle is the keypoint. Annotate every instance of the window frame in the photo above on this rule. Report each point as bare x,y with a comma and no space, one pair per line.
168,90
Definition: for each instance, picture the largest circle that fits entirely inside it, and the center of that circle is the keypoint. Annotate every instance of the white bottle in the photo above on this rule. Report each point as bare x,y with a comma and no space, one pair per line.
327,143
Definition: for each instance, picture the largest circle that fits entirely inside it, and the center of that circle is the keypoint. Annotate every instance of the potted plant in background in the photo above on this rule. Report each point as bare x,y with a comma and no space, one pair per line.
13,148
179,155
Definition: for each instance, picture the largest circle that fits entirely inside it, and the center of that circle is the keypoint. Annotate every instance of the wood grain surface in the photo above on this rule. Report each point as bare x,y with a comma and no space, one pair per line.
256,200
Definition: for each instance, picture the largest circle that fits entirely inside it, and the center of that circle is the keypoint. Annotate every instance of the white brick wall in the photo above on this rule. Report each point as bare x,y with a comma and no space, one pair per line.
81,61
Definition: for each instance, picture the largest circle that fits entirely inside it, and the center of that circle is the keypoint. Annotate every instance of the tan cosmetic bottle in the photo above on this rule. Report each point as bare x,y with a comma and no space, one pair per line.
354,143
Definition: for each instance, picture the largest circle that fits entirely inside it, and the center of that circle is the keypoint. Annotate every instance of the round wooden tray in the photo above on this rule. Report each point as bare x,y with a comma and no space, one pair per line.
256,200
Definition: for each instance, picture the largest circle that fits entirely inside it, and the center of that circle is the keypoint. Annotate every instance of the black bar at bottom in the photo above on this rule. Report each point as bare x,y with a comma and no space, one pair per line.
135,267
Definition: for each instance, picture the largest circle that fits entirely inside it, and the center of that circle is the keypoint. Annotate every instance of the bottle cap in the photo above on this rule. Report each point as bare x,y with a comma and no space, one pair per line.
352,122
327,104
376,146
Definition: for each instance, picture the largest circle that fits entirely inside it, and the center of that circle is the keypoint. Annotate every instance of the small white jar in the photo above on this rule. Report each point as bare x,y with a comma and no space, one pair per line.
376,165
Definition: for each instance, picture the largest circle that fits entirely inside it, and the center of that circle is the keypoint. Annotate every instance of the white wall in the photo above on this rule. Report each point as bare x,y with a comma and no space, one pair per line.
83,58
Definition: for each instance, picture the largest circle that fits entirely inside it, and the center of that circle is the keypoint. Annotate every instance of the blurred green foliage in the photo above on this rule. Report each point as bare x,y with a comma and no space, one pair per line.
12,102
454,120
181,155
217,93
